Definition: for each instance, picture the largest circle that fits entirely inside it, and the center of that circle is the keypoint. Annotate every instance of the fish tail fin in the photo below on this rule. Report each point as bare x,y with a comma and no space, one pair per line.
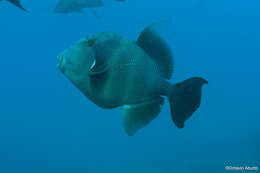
185,98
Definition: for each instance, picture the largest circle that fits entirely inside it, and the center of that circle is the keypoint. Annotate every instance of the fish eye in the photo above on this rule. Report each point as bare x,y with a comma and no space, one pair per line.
91,42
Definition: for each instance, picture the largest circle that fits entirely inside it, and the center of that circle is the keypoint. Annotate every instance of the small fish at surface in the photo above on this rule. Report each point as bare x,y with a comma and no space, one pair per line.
112,71
70,6
17,4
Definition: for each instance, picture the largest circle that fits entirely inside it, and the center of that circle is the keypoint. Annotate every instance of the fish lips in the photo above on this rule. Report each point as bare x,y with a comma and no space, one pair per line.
61,63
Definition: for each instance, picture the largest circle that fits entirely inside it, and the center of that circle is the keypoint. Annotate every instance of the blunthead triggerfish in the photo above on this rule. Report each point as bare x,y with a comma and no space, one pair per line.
113,71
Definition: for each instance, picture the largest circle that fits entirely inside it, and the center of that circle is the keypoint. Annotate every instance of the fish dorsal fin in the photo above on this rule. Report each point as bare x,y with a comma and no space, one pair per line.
156,47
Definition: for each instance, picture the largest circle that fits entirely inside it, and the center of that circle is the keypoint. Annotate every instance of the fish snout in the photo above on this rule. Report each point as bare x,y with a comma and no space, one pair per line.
61,63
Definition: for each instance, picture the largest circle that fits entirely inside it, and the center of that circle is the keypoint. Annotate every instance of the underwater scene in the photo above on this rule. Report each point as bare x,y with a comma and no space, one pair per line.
129,86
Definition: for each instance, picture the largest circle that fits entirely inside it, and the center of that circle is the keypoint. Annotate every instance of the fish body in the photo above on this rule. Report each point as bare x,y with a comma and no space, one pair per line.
123,61
113,71
70,6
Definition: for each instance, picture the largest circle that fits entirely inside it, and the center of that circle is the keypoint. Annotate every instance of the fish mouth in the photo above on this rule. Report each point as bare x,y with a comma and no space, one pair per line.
61,63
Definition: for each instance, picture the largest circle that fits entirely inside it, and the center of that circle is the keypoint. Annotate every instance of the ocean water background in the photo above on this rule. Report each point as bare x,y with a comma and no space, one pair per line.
47,125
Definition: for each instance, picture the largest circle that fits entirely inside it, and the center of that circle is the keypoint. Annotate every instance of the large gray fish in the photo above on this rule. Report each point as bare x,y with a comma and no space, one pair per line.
16,3
112,71
70,6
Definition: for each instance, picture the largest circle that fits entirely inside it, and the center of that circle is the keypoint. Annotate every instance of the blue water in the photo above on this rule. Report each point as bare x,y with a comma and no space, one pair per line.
47,125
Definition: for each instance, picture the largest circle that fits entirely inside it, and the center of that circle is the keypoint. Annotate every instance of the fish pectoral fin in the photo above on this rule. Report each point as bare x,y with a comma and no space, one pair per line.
135,117
97,69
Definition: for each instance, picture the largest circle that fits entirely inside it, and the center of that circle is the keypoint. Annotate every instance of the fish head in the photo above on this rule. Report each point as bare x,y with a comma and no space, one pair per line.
89,63
87,58
76,61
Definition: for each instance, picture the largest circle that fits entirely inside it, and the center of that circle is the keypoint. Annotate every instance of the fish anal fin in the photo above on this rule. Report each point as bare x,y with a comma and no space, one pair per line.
135,117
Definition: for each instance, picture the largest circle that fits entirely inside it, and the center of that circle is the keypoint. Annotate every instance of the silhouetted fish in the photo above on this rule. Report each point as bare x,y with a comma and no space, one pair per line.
112,71
16,3
69,6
